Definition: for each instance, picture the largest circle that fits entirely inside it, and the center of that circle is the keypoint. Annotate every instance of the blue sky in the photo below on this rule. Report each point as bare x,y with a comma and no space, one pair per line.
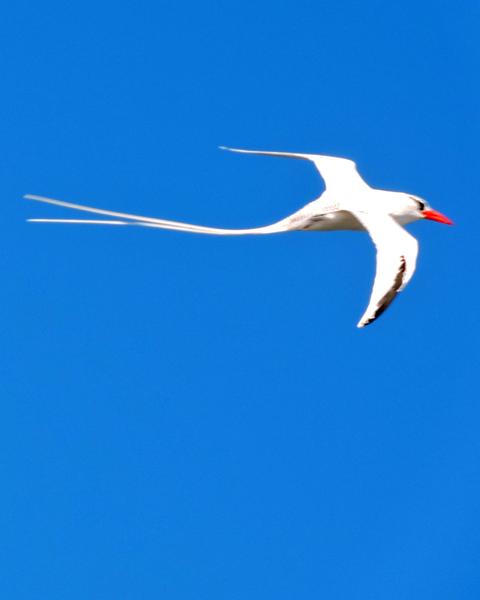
190,417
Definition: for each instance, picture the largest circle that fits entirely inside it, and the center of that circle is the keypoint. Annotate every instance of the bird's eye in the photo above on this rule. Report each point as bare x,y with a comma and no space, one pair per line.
420,204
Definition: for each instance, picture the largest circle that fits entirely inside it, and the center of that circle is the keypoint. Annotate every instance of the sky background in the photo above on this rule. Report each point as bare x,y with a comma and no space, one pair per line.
190,417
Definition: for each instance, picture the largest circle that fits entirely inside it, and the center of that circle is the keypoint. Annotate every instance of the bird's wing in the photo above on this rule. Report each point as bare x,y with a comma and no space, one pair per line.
396,259
338,173
129,219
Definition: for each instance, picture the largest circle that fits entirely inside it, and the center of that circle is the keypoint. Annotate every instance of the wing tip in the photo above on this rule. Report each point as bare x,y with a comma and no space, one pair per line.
230,149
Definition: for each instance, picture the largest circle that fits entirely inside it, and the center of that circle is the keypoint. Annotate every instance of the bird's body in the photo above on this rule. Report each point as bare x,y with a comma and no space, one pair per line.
348,203
335,212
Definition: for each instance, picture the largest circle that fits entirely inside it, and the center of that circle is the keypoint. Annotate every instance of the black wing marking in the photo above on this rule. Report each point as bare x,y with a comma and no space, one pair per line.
390,296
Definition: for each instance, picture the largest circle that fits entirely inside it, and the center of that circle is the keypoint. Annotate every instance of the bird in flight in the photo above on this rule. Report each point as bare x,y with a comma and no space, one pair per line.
348,203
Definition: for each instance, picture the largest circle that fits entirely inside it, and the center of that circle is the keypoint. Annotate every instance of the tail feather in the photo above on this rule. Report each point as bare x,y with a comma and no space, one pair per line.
131,219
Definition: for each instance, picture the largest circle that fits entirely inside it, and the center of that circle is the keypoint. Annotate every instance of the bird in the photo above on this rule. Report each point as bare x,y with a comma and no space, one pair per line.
347,203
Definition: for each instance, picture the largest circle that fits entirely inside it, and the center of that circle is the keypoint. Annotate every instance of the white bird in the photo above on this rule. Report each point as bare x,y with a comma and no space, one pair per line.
348,203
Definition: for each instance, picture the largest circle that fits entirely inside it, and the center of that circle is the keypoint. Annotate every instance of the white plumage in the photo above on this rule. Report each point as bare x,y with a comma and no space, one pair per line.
348,202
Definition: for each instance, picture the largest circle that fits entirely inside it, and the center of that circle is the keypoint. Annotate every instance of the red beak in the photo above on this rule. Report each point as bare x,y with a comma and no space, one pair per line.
434,215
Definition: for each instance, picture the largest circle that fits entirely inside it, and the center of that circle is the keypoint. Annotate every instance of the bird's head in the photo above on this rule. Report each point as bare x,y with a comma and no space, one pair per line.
422,210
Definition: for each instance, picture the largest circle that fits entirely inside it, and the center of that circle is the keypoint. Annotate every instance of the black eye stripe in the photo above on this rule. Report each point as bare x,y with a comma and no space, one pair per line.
421,205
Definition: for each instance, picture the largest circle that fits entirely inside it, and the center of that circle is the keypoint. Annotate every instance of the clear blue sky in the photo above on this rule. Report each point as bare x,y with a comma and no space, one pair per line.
186,417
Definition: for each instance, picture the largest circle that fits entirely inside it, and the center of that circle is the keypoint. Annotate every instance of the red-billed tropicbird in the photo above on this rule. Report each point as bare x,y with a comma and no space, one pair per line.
347,203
